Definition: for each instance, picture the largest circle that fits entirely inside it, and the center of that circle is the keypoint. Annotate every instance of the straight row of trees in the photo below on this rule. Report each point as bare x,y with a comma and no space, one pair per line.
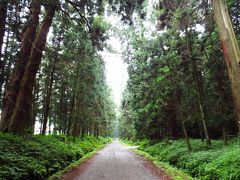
51,70
184,76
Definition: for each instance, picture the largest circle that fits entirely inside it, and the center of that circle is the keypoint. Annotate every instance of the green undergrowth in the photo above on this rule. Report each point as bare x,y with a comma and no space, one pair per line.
173,172
203,162
38,157
59,174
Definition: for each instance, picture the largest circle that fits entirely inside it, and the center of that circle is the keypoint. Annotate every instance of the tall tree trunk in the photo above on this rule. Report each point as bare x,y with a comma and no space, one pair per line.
65,109
3,16
22,112
5,70
48,98
49,127
61,107
76,129
8,62
69,128
204,122
186,135
199,85
35,103
76,124
83,131
200,131
74,105
15,78
184,129
197,76
224,134
172,106
230,49
172,119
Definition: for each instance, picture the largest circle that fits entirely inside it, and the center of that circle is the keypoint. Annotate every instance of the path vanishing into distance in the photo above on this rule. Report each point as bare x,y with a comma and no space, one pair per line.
116,162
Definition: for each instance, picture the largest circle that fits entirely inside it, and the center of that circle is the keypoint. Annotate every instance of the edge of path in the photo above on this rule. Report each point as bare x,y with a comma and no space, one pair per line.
160,168
74,166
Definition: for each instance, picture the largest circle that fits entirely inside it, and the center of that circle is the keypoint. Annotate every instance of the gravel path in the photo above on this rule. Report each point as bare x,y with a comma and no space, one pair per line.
116,162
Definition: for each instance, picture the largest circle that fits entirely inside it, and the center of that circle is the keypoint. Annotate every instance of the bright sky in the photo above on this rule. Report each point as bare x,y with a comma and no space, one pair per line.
116,70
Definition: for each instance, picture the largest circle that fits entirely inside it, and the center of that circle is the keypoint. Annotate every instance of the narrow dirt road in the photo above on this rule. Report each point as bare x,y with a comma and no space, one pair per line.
116,162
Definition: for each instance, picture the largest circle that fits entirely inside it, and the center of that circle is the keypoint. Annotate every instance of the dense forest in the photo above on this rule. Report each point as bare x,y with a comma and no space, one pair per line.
52,81
181,103
51,71
183,91
179,82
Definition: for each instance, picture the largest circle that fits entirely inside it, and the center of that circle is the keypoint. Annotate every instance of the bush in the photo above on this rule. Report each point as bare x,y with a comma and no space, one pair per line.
225,166
203,162
38,157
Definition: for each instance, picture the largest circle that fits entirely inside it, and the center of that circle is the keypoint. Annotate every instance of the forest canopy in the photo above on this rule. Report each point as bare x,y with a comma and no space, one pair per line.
51,69
180,83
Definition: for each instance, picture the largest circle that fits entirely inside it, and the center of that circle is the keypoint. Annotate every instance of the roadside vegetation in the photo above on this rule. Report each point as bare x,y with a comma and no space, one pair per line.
38,157
52,81
203,162
183,62
183,89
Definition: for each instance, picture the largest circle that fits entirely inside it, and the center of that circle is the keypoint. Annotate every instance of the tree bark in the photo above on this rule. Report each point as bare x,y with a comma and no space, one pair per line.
172,119
15,78
3,16
48,98
8,62
200,132
64,108
5,70
22,112
49,82
76,124
49,128
186,135
197,76
72,111
199,85
69,128
83,132
60,114
224,134
230,49
35,103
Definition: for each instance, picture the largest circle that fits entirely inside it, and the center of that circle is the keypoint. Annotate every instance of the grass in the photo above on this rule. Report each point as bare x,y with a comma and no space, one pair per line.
203,162
175,173
38,157
70,167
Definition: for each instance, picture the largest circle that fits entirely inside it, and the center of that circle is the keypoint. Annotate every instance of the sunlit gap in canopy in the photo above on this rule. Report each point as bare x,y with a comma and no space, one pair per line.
116,74
115,68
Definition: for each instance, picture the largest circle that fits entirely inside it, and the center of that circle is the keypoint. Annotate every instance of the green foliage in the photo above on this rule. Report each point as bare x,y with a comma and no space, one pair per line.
59,174
99,29
84,96
175,173
38,157
203,162
225,166
177,77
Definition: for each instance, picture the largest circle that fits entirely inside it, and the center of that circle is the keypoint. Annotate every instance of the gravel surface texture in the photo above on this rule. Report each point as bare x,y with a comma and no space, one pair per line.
116,162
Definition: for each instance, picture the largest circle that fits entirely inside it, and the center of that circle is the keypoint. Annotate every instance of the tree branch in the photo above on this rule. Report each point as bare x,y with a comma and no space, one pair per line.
75,6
